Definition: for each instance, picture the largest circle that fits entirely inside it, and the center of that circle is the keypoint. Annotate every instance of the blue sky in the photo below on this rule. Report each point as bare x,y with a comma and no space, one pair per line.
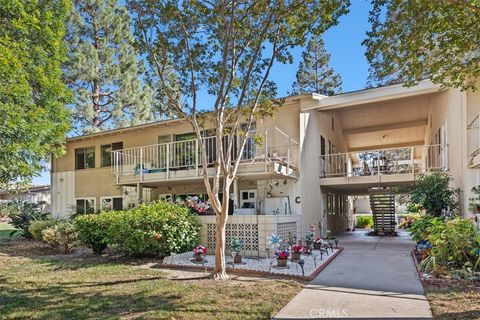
347,57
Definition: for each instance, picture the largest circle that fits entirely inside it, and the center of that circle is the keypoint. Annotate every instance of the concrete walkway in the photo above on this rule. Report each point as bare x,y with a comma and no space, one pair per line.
373,278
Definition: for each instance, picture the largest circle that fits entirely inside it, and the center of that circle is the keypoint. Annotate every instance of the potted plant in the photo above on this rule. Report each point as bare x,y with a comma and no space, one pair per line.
198,252
308,243
282,257
236,247
317,243
296,252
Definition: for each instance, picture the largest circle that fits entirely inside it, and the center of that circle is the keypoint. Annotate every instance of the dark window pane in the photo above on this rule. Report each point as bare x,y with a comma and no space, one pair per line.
106,155
89,206
80,206
79,158
117,204
117,146
90,157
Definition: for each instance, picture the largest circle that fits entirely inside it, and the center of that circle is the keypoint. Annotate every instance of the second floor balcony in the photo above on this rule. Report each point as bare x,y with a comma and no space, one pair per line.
393,165
269,151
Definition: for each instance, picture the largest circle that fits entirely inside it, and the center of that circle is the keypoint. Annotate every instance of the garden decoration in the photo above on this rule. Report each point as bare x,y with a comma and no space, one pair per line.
315,261
317,244
236,247
291,239
282,257
275,241
308,240
336,244
296,252
198,253
301,263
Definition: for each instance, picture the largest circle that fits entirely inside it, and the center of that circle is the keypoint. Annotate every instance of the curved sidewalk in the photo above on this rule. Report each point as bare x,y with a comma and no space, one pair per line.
373,278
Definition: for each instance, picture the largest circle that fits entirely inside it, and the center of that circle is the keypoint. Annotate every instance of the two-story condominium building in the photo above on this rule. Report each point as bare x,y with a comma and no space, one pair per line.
317,153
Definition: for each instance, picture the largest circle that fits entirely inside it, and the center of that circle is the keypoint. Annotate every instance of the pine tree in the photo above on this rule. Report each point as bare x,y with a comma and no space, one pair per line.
104,70
314,72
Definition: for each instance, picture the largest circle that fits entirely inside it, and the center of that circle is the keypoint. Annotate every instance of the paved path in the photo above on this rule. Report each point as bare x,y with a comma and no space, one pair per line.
373,278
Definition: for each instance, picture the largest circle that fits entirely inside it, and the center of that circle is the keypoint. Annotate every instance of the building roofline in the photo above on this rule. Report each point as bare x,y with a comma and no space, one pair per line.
371,95
289,100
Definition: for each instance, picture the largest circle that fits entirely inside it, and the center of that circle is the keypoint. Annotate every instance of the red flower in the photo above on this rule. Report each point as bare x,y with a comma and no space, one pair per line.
158,236
297,248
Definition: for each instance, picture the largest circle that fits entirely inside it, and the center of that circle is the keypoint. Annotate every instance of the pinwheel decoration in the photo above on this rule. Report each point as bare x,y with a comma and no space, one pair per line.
275,241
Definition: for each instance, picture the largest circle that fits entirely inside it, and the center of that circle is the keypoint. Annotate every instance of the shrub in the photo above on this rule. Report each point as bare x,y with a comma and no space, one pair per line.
418,230
62,235
408,220
23,213
364,221
455,243
92,231
433,192
157,228
413,208
36,228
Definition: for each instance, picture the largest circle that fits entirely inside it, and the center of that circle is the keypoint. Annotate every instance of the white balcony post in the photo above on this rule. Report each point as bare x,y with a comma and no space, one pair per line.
168,160
266,149
142,166
412,160
196,157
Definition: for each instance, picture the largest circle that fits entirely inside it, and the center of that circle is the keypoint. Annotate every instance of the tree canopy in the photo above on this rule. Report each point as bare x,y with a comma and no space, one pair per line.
314,71
413,40
33,116
103,68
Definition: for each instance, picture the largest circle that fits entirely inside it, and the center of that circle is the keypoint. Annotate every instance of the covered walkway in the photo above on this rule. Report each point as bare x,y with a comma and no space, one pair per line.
373,278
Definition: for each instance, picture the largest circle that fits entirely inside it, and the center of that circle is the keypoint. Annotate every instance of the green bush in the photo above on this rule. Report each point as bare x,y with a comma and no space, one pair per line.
455,244
418,230
36,227
413,207
62,235
364,221
433,192
157,228
92,231
22,214
406,221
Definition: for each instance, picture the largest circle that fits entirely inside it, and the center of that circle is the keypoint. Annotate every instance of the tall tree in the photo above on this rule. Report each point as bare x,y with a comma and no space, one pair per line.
33,117
103,68
314,71
412,40
225,48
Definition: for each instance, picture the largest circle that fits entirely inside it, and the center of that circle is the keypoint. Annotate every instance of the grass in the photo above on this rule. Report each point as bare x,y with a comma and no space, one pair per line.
453,299
82,286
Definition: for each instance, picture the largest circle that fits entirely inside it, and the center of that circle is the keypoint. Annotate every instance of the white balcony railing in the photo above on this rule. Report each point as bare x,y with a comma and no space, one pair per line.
413,160
274,146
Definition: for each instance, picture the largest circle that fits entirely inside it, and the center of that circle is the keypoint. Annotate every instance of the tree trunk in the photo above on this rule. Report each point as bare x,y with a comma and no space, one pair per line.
220,269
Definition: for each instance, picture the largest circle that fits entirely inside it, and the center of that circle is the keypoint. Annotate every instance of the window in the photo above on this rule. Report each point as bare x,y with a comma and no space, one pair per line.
85,205
322,147
112,203
85,158
248,198
106,152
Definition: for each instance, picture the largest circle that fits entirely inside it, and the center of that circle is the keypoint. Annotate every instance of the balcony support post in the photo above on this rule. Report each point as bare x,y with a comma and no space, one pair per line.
196,157
142,165
412,161
168,160
266,149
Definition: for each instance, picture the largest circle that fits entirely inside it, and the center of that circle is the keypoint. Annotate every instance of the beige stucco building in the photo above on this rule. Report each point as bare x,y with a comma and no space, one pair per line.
317,152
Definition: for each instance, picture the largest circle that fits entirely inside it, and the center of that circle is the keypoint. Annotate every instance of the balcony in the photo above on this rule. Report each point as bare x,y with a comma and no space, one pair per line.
390,166
277,154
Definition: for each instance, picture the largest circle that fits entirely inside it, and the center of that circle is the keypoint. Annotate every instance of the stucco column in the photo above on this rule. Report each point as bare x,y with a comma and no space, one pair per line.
235,193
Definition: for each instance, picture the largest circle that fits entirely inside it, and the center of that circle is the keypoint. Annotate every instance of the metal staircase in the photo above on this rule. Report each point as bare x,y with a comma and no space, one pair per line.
382,203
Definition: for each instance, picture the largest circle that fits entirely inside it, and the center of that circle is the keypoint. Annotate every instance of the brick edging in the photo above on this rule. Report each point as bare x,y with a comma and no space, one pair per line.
415,261
256,272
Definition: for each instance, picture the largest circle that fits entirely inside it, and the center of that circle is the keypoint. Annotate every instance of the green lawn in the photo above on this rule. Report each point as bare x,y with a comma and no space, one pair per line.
80,287
5,230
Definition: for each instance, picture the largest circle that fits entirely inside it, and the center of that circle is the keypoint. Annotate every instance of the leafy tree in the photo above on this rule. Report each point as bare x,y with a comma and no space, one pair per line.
103,68
33,117
412,40
433,192
226,49
314,72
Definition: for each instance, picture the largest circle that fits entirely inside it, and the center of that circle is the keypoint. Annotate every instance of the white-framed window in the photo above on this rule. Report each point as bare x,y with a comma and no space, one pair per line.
248,199
85,205
111,203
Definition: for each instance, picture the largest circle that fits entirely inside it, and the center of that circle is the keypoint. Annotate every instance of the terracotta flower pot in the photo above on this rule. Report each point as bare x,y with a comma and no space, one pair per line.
237,259
282,262
296,256
198,257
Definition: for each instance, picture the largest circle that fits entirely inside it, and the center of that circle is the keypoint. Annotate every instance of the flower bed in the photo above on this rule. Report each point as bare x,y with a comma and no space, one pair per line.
313,264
